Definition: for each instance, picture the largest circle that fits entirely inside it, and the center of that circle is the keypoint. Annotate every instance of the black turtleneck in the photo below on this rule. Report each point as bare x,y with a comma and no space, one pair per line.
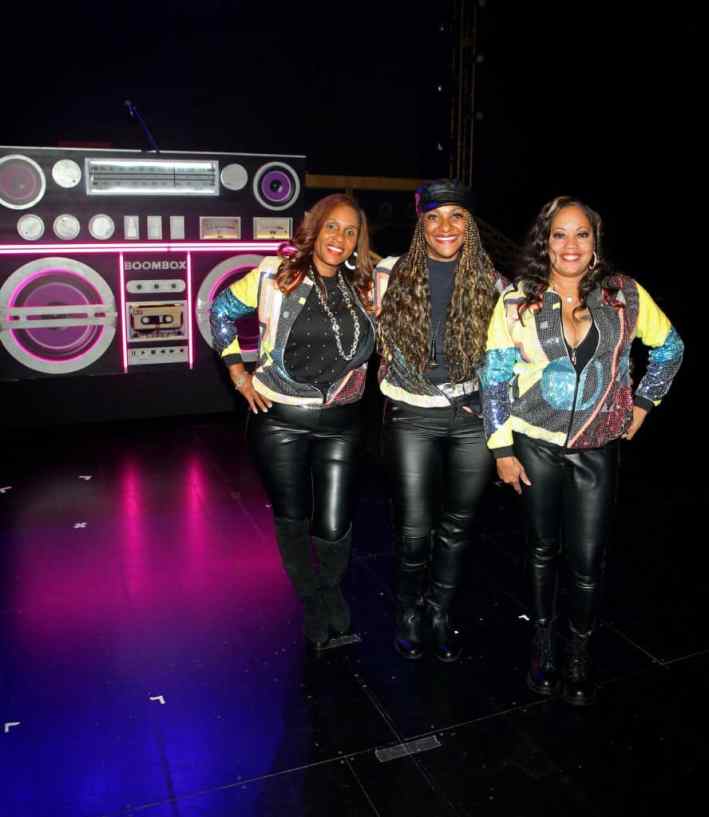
440,282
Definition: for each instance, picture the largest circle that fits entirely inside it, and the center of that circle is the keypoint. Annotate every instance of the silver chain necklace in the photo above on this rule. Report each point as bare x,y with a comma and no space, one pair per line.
333,320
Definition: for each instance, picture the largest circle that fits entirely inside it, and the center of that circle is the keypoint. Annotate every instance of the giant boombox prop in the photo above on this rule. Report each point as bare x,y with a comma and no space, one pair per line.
109,260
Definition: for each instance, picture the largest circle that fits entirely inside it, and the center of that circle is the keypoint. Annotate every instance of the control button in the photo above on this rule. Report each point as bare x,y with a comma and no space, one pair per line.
155,228
131,228
177,228
101,226
66,173
66,227
30,227
234,177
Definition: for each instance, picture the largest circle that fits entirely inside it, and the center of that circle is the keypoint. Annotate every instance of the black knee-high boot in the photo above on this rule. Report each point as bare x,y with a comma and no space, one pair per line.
449,543
334,558
413,555
293,538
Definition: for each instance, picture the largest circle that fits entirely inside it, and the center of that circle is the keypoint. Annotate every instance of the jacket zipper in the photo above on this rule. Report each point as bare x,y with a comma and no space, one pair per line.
572,359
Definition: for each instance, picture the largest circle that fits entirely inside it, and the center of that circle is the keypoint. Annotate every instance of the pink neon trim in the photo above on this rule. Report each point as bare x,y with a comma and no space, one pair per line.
190,346
122,316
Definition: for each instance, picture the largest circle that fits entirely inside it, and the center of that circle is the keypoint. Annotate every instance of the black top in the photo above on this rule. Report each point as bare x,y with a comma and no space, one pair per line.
581,355
311,354
440,282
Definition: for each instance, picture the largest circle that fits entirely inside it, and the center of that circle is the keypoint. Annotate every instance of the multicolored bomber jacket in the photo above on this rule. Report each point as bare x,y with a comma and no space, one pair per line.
277,313
397,380
530,386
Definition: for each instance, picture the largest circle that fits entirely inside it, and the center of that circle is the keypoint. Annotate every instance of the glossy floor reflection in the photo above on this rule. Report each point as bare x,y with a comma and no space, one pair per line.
152,662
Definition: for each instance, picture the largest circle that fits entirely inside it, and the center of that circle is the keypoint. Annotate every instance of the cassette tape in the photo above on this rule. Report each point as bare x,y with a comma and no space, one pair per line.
156,321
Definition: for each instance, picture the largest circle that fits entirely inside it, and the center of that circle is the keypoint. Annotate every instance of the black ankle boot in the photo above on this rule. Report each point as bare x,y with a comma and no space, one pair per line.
408,640
544,677
579,687
447,645
293,538
334,558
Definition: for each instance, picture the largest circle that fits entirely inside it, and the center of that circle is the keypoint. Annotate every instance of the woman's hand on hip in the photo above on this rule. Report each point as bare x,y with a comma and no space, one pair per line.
639,415
511,472
243,383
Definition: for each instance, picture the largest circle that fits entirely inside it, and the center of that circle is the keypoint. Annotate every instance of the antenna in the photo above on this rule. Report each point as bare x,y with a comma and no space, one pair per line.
135,114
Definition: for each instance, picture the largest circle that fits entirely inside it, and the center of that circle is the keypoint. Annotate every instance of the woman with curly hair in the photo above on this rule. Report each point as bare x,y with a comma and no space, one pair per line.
557,397
435,311
316,335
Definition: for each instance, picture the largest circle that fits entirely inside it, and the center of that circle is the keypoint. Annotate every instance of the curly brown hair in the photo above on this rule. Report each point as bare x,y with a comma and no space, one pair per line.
298,254
534,266
405,320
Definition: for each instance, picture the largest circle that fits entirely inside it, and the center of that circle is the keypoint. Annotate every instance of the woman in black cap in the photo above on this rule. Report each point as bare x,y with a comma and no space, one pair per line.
436,305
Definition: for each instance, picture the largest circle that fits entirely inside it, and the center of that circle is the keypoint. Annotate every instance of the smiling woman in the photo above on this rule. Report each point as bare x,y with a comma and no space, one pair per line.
444,231
436,303
314,303
557,397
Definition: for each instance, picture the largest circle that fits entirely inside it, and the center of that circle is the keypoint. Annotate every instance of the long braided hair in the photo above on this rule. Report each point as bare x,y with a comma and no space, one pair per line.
405,319
298,254
535,265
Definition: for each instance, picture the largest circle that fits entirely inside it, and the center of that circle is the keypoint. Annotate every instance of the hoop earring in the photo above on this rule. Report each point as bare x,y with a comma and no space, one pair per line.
349,266
592,266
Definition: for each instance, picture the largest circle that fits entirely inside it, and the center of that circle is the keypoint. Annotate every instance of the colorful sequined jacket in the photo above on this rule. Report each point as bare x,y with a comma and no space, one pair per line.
397,380
277,313
531,387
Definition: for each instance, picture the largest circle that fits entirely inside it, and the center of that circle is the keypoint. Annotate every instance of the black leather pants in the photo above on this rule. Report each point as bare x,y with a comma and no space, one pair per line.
569,511
440,468
307,459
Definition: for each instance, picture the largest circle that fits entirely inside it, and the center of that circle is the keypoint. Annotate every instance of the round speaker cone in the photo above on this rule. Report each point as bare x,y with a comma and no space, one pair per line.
276,186
61,315
58,342
22,182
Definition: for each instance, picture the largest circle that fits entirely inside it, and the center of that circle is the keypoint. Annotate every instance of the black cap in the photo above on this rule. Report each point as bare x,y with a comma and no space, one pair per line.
442,191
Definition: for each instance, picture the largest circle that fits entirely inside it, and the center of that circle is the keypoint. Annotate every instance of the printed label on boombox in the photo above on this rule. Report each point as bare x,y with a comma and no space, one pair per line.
153,265
156,321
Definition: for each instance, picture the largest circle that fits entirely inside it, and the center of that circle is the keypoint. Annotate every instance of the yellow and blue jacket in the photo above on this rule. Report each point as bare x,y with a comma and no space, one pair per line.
397,379
258,291
530,386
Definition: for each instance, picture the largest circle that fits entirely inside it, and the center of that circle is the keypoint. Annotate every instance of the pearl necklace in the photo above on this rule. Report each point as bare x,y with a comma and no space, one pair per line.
333,320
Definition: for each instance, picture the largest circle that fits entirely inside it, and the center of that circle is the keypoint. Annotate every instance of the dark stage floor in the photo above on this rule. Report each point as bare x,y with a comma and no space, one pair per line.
152,662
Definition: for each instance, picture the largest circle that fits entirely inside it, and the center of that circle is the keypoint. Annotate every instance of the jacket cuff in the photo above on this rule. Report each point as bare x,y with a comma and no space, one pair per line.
231,359
506,451
643,402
